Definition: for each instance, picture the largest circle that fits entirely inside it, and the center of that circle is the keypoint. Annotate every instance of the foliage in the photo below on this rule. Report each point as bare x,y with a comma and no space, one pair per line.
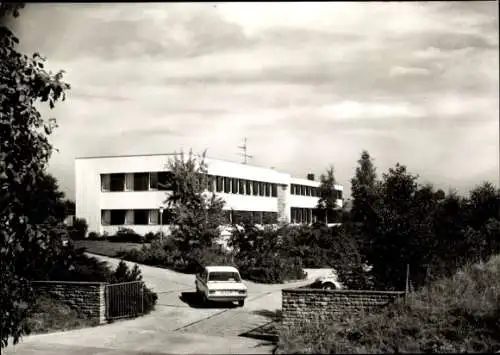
196,214
79,229
75,265
46,201
328,247
327,209
261,256
431,232
94,236
49,315
126,235
458,314
24,153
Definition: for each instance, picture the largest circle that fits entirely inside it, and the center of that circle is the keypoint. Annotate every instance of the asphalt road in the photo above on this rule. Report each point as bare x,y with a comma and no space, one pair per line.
178,325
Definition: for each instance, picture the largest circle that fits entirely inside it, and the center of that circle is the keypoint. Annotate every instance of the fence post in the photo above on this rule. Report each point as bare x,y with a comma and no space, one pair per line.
142,298
407,279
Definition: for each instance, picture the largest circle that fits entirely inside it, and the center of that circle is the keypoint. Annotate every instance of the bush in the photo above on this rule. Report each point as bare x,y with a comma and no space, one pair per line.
77,266
458,314
124,274
150,236
261,255
126,235
79,229
94,236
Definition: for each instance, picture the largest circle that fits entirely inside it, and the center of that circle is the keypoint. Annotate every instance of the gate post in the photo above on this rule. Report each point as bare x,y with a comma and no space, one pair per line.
102,303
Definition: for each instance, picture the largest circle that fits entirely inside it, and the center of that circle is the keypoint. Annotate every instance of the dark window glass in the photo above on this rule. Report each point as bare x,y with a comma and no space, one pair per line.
262,189
117,217
165,180
268,189
116,182
255,188
141,181
270,217
241,185
234,186
227,185
257,217
153,180
141,217
248,187
303,190
313,191
274,190
220,183
339,194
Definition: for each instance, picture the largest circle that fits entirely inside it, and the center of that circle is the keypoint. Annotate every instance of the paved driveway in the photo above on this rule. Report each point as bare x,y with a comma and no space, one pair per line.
176,326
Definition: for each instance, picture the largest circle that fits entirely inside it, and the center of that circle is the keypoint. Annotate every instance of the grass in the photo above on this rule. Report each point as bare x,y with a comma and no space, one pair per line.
50,315
105,248
458,314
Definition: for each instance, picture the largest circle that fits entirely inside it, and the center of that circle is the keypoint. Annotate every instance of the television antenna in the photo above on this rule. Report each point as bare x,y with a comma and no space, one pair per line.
244,148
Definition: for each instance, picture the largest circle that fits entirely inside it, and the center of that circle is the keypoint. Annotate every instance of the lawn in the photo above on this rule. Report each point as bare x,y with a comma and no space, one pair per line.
103,247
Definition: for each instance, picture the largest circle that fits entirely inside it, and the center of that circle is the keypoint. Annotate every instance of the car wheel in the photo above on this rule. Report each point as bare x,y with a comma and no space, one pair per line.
241,303
328,286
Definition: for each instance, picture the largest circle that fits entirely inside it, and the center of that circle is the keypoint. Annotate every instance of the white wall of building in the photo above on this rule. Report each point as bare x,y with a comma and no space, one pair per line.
90,200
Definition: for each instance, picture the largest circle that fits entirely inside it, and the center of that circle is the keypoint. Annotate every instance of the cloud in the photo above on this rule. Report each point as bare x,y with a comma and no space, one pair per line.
309,84
408,71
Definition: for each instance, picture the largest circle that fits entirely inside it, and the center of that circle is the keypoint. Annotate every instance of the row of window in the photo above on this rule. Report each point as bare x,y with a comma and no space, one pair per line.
152,217
309,191
162,181
302,215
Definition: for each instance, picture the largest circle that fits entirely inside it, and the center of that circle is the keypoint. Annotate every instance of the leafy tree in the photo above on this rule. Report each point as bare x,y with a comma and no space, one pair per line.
396,229
196,213
327,209
24,153
47,201
364,194
484,204
363,189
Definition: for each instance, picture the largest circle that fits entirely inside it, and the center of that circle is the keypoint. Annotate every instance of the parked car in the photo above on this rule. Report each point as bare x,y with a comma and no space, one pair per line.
221,284
327,281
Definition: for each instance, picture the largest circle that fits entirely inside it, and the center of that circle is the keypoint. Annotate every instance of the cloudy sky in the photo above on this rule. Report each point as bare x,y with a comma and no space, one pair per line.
309,84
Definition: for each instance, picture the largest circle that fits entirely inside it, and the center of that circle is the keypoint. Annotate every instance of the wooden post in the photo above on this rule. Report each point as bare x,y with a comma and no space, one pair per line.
407,281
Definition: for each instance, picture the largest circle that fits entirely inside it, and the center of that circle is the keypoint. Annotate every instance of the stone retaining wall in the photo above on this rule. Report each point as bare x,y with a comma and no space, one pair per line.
85,297
304,304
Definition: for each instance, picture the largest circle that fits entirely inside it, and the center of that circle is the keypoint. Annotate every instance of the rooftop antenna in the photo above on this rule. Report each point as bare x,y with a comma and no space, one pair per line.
244,154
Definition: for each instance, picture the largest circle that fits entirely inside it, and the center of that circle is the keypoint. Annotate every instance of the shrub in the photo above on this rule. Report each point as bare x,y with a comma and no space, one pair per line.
79,229
126,235
261,256
150,236
94,236
124,274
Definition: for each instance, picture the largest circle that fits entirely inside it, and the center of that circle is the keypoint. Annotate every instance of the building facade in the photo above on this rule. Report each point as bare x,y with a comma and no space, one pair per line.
128,192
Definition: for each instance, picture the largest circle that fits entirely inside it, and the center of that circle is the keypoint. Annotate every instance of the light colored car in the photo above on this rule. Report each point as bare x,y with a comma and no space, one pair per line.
325,279
221,284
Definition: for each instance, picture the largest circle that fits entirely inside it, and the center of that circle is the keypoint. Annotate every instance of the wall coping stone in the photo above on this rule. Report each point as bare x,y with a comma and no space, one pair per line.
359,292
87,283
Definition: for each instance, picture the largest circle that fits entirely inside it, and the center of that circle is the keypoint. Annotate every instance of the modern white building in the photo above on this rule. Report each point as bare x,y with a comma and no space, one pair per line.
116,192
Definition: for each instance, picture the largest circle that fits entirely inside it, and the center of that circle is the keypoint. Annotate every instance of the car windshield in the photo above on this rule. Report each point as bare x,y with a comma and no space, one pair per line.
224,276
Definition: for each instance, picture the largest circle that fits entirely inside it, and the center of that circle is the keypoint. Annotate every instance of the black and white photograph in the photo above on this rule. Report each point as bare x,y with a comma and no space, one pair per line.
249,177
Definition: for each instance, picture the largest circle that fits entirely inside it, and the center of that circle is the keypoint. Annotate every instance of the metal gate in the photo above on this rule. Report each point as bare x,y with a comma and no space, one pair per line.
124,300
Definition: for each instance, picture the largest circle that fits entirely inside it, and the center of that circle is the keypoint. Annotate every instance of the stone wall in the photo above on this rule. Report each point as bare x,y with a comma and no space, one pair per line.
303,304
85,297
